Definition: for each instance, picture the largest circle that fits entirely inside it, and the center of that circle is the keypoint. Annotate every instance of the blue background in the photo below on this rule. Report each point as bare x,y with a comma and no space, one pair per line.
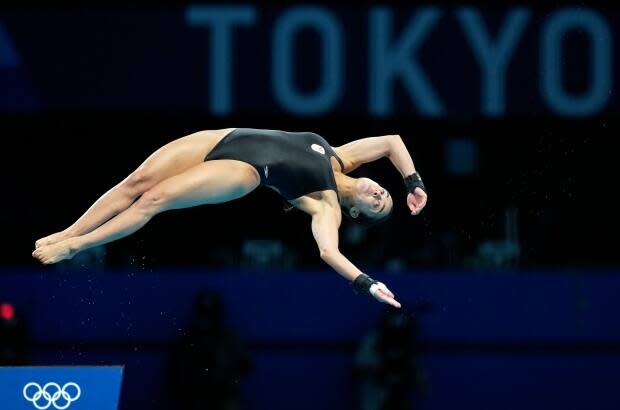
538,340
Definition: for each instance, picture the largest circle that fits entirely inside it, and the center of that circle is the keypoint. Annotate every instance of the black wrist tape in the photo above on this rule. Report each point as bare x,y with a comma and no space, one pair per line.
362,283
414,181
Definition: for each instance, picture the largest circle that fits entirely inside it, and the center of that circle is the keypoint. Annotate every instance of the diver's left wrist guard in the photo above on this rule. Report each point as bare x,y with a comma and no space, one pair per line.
362,283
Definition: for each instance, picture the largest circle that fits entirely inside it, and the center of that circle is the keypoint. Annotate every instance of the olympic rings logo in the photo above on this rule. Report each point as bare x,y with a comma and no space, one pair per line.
42,393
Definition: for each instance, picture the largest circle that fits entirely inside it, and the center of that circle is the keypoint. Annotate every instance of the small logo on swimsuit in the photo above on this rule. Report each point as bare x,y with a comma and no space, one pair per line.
318,148
266,171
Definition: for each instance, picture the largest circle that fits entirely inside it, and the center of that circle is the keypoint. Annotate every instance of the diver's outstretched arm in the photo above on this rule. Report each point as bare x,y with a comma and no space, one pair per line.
325,223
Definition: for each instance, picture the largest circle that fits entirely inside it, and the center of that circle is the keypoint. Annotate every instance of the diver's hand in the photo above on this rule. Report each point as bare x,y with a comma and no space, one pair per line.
416,201
383,294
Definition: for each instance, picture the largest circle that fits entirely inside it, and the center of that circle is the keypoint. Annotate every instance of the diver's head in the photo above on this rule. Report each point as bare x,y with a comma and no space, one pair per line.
368,203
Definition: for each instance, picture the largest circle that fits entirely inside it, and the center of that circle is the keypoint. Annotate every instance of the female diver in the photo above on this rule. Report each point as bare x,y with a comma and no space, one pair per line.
215,166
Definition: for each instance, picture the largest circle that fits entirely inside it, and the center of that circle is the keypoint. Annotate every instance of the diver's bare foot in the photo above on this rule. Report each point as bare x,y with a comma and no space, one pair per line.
51,239
48,254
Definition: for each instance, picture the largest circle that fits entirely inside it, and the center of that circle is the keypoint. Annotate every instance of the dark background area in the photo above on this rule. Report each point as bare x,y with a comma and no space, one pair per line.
82,111
508,278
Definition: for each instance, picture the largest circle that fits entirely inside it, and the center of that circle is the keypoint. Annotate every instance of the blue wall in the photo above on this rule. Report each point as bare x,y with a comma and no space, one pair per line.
501,341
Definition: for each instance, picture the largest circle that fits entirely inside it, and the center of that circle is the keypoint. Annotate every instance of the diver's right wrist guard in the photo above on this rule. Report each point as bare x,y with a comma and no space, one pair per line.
414,181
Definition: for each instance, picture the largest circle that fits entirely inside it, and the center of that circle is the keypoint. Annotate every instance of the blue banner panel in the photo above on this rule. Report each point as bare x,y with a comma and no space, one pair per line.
54,387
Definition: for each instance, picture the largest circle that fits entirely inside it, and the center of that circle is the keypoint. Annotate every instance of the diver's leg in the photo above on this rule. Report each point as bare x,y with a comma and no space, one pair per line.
173,158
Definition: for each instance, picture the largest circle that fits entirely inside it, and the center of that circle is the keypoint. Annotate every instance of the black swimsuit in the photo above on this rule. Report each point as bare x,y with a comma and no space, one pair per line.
296,163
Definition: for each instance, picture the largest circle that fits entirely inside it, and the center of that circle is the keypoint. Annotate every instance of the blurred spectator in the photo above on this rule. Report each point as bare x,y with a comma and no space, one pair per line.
266,254
503,253
208,361
386,364
13,337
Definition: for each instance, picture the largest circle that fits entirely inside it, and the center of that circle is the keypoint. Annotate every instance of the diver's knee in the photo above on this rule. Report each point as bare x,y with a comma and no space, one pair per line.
153,201
138,182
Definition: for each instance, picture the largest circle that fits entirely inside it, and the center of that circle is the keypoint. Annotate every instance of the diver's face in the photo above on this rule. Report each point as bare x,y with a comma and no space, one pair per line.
371,199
